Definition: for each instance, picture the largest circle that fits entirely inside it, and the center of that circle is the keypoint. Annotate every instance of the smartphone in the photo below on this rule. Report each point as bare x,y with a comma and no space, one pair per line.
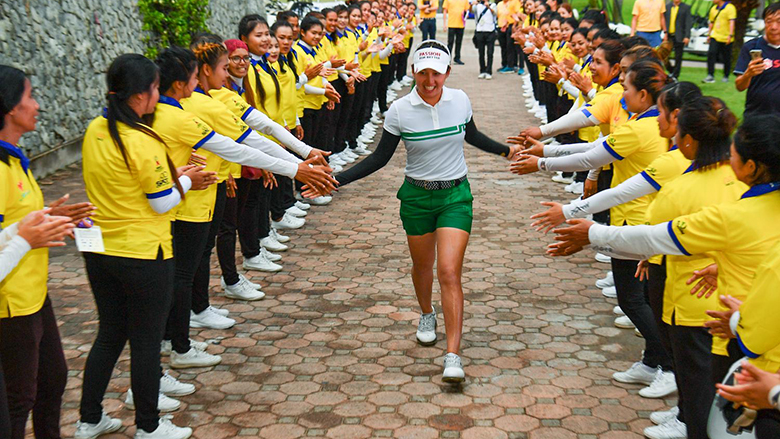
755,54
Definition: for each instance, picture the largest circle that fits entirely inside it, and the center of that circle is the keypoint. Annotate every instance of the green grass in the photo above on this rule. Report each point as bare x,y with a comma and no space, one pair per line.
726,91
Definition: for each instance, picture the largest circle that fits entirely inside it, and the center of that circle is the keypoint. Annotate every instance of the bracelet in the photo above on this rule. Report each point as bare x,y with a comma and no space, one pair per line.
542,164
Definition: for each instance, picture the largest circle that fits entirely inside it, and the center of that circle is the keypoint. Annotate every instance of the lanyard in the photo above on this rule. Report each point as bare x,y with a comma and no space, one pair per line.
762,189
240,90
15,151
169,101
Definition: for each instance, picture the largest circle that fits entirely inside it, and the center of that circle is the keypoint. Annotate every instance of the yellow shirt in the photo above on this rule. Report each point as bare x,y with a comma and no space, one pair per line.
270,105
121,191
607,107
635,144
455,10
327,50
665,168
758,331
289,100
308,57
198,206
648,13
504,11
409,32
23,290
689,193
432,14
721,25
737,235
672,25
365,63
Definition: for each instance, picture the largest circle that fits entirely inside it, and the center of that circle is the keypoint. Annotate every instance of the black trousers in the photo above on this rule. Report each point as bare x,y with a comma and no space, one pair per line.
428,28
35,372
132,297
719,52
282,197
533,71
604,183
248,220
200,285
189,242
403,62
486,44
264,212
767,424
691,350
355,119
679,48
633,301
343,116
455,39
385,77
722,363
226,236
310,122
508,51
655,295
373,87
5,418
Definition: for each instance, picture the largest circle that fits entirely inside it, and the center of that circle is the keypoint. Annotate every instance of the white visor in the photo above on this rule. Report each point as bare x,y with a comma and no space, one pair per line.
431,58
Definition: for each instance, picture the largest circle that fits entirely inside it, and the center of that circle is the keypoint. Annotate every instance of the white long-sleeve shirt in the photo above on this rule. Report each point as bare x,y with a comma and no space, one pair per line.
12,249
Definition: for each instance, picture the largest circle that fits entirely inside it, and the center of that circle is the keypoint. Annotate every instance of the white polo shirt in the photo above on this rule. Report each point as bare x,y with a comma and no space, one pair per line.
433,135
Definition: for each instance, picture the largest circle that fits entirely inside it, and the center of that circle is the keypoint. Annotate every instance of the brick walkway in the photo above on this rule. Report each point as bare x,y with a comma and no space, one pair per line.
330,352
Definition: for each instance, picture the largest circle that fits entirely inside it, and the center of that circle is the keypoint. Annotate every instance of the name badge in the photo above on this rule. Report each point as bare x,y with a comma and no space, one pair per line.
89,240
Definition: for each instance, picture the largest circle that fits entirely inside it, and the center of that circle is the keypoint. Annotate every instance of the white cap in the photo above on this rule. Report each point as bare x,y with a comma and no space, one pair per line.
431,57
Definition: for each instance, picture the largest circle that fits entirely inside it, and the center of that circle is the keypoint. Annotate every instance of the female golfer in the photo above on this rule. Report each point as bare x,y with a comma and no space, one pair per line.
433,121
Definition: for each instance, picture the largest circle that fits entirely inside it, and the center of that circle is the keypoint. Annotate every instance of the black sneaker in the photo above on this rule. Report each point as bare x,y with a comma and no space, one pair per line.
459,62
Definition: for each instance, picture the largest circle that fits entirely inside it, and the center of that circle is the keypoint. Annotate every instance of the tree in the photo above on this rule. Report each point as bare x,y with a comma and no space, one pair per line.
744,9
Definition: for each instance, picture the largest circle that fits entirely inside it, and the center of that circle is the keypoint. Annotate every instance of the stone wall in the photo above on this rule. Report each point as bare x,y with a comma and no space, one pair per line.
65,46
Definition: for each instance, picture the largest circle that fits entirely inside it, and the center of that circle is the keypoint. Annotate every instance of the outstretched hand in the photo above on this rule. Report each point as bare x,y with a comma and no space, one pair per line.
570,239
76,212
708,281
524,164
550,218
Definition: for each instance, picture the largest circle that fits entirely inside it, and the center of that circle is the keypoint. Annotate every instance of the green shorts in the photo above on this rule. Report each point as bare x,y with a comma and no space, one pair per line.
423,211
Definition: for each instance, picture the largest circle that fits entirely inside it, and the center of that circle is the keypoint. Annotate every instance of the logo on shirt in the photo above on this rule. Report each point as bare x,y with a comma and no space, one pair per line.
681,226
769,63
158,166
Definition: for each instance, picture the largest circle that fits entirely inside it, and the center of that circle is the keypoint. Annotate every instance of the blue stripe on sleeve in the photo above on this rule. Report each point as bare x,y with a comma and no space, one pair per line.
586,113
2,217
748,353
612,151
247,113
676,241
244,136
204,140
650,180
160,194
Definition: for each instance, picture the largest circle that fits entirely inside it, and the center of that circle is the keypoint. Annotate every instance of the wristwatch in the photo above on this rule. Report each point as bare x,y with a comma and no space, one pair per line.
774,396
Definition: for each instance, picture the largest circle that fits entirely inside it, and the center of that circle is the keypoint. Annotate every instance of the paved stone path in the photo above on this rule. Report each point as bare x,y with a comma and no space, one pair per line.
330,352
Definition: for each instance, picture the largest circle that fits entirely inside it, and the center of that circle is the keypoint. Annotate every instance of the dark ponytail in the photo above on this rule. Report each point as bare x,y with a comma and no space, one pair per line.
756,139
175,64
11,93
648,75
613,51
674,95
247,24
289,58
129,75
333,35
709,122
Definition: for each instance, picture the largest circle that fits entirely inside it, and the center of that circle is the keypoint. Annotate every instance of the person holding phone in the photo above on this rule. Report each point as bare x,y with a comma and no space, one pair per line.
758,67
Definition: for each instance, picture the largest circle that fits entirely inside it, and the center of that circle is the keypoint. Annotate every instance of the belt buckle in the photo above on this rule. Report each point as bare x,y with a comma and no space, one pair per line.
429,185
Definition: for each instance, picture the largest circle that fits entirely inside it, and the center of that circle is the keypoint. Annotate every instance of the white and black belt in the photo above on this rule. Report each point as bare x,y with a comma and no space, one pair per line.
435,185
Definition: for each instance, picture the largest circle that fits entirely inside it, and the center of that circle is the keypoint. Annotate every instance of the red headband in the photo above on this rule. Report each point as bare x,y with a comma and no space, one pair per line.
232,45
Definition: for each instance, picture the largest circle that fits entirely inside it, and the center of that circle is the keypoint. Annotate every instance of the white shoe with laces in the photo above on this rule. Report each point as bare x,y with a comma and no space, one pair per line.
603,258
242,291
663,417
211,320
345,158
617,310
361,150
106,425
623,322
664,384
453,369
278,236
559,178
165,346
170,386
294,211
273,257
576,188
164,403
608,281
288,222
673,429
488,76
349,153
426,329
165,430
272,244
321,200
260,263
638,373
609,292
303,206
193,358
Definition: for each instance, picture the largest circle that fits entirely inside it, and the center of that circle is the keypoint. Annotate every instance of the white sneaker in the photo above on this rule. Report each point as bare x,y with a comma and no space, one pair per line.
271,244
273,257
346,158
365,139
663,385
166,348
242,291
481,76
638,373
193,358
638,334
164,404
260,263
663,417
453,369
303,206
361,150
609,292
608,281
623,322
376,120
396,86
575,188
617,310
106,425
426,329
165,430
320,201
559,178
278,236
294,211
603,258
336,160
488,76
336,168
170,386
674,429
288,222
211,320
349,153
